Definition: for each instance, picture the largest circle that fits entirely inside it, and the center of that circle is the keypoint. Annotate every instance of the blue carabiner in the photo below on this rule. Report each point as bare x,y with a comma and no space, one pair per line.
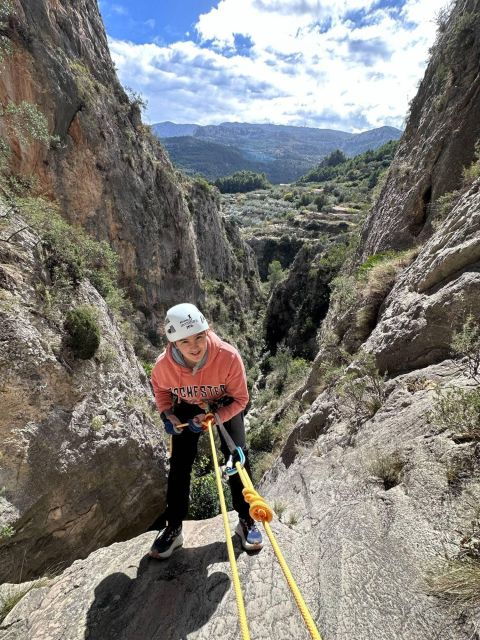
229,468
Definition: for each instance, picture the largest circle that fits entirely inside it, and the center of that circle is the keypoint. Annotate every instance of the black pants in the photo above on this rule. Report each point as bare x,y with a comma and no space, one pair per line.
184,451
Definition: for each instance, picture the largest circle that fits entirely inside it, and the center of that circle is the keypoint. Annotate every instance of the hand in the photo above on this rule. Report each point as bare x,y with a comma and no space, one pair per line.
198,424
195,424
171,422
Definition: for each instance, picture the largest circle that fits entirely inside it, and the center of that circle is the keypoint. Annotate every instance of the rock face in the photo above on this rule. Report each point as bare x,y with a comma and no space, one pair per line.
222,253
82,460
298,305
359,551
439,139
374,492
109,173
434,296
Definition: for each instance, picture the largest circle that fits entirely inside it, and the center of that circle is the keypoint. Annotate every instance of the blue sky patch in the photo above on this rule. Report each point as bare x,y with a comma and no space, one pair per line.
143,20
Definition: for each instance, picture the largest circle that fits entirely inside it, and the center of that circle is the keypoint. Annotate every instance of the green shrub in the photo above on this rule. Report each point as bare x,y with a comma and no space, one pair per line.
83,332
305,200
6,532
203,184
6,47
204,501
361,390
72,253
466,344
334,256
458,410
386,466
147,367
97,423
275,274
443,205
27,122
320,201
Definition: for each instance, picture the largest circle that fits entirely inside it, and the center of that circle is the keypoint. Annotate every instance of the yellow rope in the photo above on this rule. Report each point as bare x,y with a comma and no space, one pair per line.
257,506
231,554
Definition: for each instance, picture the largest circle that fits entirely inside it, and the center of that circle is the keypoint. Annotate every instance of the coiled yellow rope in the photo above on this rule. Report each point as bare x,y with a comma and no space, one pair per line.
231,554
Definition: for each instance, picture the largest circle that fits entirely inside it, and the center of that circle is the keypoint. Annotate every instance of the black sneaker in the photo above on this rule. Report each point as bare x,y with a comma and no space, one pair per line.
249,534
165,544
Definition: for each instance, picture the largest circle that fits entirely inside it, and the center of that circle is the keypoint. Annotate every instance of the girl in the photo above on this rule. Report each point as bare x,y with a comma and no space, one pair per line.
198,372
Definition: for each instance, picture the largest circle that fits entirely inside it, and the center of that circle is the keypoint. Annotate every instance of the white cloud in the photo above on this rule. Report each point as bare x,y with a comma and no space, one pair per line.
330,63
117,8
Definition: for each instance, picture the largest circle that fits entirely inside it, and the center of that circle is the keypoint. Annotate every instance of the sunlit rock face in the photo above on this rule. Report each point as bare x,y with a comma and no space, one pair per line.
82,458
108,172
439,140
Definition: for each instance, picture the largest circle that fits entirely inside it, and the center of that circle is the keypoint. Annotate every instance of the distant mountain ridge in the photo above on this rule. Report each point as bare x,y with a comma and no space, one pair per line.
282,152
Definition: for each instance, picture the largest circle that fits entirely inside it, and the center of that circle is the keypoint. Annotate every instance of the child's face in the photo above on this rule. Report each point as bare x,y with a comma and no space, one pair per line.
193,348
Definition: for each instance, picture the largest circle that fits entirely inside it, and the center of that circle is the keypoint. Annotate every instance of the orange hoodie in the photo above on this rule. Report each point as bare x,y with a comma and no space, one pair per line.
223,374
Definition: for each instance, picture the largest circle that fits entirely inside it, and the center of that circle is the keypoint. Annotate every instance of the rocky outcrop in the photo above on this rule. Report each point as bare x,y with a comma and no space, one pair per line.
222,253
298,305
271,247
359,550
433,297
439,140
109,173
83,460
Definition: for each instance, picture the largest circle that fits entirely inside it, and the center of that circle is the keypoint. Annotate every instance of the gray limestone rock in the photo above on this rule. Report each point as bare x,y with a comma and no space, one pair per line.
359,551
434,295
439,140
82,456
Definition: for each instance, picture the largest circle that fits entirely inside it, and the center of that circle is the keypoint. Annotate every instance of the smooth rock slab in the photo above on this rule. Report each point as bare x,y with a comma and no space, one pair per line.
118,593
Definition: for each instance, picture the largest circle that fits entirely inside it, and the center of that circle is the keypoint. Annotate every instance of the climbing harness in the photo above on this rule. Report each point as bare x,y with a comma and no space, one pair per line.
259,511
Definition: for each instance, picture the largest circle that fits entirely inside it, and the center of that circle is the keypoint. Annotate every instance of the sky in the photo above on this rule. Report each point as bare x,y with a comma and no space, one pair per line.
342,64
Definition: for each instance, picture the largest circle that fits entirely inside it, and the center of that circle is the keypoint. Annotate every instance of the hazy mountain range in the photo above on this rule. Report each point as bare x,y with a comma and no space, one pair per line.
283,152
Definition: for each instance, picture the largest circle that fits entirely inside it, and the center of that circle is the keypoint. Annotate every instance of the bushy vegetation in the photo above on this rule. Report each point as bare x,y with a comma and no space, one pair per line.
234,324
364,168
360,390
275,274
6,532
241,182
204,501
466,345
71,254
457,410
359,295
446,202
83,331
26,121
6,10
457,576
388,466
274,417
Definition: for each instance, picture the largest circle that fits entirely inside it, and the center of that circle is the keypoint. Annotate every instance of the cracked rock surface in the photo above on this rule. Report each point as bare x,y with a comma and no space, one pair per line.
82,458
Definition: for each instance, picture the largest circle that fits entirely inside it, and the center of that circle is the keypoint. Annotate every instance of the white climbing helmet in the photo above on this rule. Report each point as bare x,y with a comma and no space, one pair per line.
184,320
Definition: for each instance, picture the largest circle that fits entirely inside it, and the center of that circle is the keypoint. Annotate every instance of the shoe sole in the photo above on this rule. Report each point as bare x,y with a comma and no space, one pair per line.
247,545
166,554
